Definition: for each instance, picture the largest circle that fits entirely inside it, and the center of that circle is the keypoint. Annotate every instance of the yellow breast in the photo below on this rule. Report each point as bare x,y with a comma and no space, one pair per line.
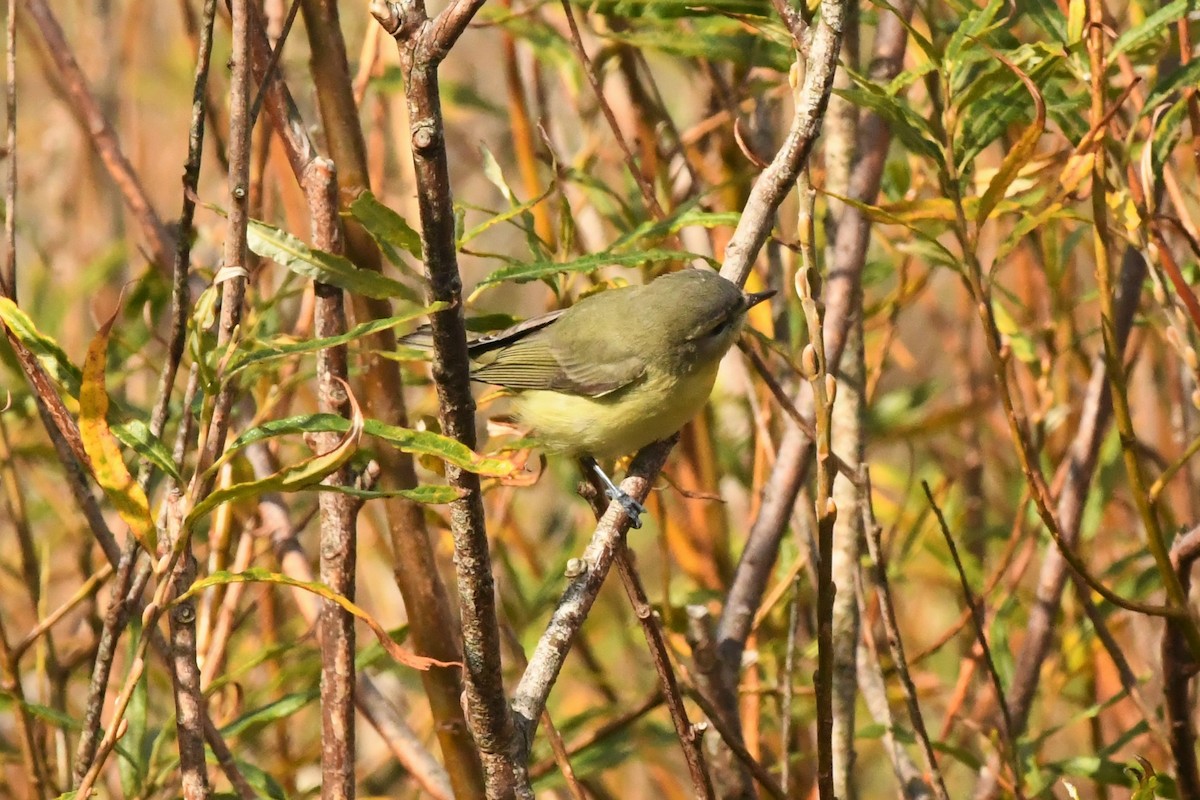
620,423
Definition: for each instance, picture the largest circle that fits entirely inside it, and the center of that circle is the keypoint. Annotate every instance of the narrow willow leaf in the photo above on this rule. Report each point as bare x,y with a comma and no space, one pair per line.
269,351
683,217
397,652
274,711
385,225
1153,26
1021,152
47,352
102,448
519,210
913,132
929,243
1186,77
1076,14
523,273
495,175
975,25
409,441
288,251
430,495
136,435
291,478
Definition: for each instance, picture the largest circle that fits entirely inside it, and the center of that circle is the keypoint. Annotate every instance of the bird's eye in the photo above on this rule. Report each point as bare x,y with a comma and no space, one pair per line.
720,327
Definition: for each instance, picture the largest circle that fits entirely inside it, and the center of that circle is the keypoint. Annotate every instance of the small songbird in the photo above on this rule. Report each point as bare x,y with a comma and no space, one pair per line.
619,369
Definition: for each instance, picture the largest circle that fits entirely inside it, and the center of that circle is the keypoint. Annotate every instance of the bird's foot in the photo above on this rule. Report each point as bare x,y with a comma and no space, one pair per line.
633,509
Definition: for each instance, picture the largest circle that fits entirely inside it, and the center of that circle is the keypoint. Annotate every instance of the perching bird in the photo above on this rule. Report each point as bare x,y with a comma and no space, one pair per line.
619,369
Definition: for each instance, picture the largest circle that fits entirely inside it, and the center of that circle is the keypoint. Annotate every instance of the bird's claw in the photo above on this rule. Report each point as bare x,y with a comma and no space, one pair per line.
633,509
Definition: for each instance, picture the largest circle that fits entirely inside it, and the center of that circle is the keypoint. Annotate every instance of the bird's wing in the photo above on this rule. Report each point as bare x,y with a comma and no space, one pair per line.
508,336
542,362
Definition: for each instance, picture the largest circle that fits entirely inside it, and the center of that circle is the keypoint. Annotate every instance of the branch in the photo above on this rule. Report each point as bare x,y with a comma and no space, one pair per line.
422,46
841,286
294,562
587,576
1179,668
689,735
338,510
780,176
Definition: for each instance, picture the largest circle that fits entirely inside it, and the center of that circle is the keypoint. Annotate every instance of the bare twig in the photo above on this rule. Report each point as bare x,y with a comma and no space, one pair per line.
338,510
891,628
32,755
416,569
1179,668
8,275
644,185
842,284
778,178
977,614
732,739
1081,458
689,735
423,43
294,562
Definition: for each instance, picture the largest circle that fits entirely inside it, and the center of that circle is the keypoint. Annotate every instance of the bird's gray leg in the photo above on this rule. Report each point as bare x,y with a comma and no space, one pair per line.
632,507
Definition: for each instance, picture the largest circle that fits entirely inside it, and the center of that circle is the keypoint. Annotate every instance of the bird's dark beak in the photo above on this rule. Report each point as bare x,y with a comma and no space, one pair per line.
754,298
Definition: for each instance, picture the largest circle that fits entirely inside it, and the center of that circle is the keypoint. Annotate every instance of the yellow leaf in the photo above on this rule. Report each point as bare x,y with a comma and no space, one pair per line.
103,451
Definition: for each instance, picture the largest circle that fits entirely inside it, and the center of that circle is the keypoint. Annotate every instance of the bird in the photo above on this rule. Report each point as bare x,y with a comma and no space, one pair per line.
620,368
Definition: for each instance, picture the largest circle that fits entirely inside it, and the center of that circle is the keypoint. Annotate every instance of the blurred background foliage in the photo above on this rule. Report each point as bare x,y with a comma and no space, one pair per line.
548,212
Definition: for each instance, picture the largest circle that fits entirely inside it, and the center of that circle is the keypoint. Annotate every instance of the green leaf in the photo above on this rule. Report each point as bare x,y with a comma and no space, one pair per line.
51,357
430,495
912,131
1147,781
385,225
275,711
683,217
291,478
974,26
1151,27
1046,16
288,251
522,273
1185,77
136,435
279,348
409,441
519,210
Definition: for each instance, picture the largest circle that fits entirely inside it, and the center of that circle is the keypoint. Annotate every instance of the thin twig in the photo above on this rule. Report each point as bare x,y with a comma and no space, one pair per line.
732,739
978,616
689,735
8,275
1179,668
338,510
294,562
644,185
794,453
891,628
